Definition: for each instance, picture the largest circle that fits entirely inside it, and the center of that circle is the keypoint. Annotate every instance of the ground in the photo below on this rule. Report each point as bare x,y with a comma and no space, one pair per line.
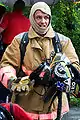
74,114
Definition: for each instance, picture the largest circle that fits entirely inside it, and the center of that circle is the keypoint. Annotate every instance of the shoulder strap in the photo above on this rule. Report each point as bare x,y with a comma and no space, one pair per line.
11,110
23,44
56,43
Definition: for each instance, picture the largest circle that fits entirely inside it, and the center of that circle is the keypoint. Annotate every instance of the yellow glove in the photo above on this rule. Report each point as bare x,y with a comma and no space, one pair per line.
11,80
22,86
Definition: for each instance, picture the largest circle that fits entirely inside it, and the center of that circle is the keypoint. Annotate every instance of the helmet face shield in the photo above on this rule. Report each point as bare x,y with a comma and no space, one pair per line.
4,114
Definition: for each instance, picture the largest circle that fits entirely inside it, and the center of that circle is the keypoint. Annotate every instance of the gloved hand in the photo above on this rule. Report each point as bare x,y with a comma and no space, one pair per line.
22,86
11,80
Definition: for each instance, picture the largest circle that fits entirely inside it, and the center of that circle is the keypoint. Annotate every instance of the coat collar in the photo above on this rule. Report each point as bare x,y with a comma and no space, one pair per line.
33,34
35,44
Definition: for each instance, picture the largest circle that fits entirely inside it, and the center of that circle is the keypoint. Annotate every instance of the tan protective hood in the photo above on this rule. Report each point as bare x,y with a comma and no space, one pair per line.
44,8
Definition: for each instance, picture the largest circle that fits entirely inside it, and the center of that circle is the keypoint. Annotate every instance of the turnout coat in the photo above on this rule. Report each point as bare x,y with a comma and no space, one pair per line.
37,49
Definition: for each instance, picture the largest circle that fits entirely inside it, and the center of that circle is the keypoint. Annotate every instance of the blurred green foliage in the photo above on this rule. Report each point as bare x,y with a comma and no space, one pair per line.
27,11
66,20
74,101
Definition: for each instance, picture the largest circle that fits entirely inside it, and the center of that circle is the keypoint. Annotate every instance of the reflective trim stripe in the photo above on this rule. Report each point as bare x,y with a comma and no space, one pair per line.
50,116
6,73
33,115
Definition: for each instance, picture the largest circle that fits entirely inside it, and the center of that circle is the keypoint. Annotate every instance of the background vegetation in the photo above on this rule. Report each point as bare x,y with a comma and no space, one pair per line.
66,20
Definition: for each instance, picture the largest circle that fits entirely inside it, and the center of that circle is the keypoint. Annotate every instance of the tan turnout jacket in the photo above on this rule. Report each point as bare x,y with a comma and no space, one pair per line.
37,49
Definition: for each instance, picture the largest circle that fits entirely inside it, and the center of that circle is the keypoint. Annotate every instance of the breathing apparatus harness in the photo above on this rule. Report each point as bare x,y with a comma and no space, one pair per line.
56,74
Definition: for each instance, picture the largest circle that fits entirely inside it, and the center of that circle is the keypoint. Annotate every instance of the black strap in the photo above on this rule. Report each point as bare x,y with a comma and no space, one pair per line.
23,44
11,109
56,43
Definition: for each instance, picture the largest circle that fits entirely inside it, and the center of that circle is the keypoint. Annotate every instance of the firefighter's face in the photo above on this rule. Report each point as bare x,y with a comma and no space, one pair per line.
42,19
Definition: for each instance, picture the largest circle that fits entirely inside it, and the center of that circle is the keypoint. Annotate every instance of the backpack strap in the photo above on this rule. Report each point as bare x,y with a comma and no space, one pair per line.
56,43
11,110
23,44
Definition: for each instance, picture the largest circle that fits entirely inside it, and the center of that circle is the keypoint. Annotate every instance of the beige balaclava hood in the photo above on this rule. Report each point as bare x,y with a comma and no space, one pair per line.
44,8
